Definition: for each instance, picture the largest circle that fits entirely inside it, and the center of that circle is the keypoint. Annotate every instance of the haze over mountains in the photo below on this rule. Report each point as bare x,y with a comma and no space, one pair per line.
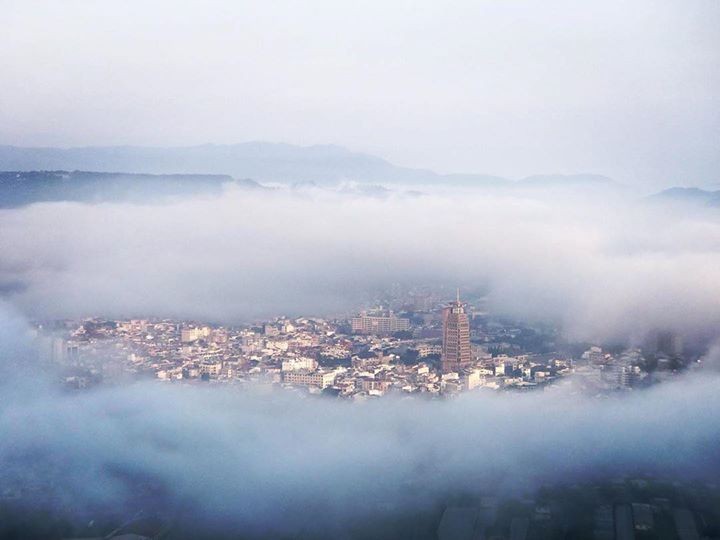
260,161
139,174
19,188
689,196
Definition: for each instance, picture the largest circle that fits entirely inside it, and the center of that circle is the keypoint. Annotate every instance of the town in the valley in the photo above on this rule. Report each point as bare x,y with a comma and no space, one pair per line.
419,340
414,341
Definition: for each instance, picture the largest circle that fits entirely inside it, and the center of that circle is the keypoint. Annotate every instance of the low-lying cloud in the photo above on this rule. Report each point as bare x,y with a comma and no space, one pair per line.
274,462
603,266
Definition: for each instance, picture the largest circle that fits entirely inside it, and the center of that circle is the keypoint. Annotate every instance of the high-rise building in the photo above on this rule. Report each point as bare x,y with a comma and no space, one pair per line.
456,353
668,343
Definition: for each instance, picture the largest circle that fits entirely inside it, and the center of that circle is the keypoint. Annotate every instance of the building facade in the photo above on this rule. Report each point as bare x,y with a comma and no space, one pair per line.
367,324
305,378
456,353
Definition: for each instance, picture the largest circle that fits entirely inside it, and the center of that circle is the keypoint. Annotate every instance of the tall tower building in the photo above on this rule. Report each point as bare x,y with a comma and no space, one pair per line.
456,337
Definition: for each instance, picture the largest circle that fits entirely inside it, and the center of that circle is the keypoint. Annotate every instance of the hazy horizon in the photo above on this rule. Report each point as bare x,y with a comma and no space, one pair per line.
508,89
261,340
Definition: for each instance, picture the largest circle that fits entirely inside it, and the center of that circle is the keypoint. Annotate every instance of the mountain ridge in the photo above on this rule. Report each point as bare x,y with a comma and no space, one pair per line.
262,161
20,188
687,195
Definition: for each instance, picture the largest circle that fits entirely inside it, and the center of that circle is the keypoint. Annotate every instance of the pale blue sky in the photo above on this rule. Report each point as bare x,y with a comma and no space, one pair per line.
628,89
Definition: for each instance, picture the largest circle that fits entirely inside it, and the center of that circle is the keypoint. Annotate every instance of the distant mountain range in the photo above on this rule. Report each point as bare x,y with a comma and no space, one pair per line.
148,174
261,161
684,195
19,188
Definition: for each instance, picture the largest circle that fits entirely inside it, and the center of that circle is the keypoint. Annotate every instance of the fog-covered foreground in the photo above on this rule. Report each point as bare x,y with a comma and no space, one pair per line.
271,461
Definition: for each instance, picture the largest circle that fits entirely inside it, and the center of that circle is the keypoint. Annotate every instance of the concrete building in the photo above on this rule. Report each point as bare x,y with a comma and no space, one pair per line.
300,364
368,324
307,378
191,334
473,379
642,517
373,385
270,330
427,349
456,353
212,369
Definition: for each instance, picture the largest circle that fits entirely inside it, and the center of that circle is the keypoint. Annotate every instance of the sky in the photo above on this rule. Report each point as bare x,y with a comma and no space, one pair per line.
629,90
626,89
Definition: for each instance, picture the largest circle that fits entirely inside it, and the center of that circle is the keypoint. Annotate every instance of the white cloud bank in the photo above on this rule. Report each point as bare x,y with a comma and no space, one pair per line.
604,266
272,462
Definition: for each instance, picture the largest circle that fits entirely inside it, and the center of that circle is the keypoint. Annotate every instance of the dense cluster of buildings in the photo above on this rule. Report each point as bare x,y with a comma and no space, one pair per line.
441,351
428,348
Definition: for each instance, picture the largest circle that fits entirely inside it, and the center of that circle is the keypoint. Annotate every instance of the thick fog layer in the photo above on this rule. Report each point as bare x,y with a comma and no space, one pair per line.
273,461
603,265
